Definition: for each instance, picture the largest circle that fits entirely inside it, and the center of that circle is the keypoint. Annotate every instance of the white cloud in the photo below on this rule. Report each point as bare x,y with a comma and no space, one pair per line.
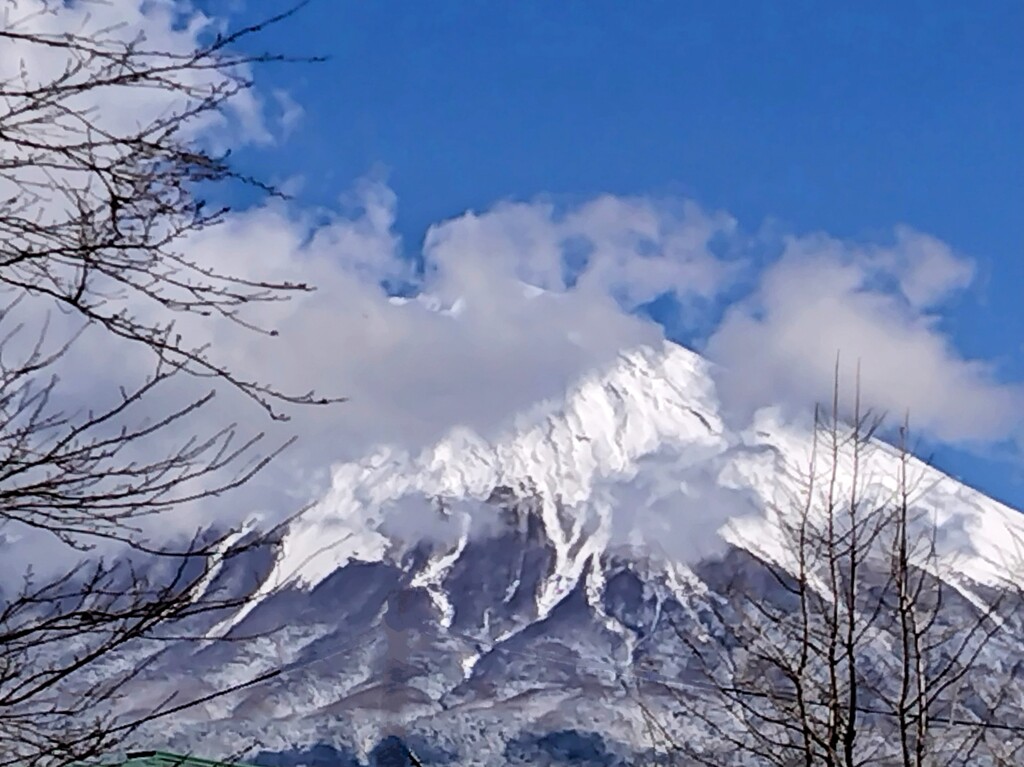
928,270
412,372
290,111
165,26
872,305
632,248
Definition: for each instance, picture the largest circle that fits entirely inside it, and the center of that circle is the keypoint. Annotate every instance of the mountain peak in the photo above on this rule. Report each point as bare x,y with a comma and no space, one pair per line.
501,583
636,453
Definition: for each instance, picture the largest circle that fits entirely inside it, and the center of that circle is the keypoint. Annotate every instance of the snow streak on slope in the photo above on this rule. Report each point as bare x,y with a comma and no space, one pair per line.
644,434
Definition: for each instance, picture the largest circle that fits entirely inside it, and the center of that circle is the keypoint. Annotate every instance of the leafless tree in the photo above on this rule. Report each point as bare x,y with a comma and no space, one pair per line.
862,645
95,213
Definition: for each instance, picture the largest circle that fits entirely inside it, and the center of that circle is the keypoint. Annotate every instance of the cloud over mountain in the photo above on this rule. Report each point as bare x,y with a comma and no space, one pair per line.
505,307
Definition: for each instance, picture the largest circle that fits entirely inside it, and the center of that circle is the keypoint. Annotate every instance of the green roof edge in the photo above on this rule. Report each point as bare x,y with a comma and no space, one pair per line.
182,759
162,759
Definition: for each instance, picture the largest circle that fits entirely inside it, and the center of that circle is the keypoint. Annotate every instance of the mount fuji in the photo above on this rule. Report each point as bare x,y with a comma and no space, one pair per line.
498,600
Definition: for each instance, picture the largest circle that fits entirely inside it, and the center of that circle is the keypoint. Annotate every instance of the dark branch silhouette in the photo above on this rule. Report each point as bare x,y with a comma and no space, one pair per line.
863,645
95,215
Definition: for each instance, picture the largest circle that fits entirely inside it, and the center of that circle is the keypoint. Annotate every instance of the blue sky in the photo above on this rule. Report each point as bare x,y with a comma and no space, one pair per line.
793,117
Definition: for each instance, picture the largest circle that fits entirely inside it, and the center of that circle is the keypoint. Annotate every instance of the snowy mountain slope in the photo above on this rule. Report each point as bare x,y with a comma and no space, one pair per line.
559,452
648,431
516,584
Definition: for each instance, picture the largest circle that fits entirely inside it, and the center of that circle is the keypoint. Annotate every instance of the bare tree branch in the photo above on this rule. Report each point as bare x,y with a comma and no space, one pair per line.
95,217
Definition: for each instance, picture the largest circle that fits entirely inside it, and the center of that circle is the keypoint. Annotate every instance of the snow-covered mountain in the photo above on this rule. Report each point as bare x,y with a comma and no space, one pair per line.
495,600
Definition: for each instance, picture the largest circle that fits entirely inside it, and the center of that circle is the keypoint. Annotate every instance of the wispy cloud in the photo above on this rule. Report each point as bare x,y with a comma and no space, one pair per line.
876,306
507,313
515,302
503,315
